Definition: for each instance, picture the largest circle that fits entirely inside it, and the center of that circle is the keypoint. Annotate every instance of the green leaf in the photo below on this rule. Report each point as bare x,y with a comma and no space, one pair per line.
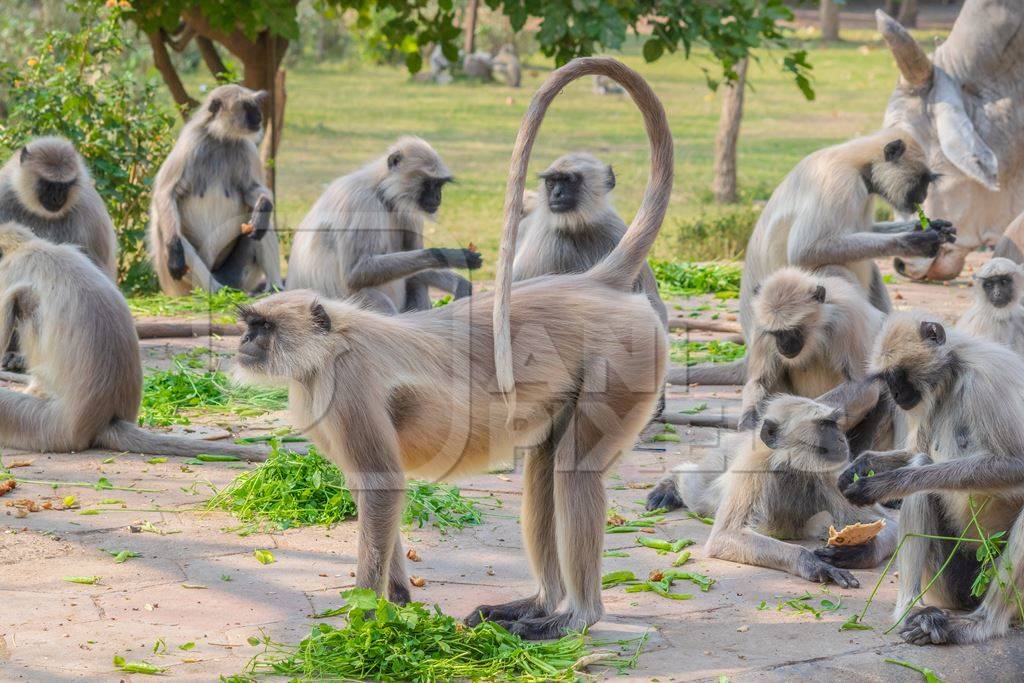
87,580
264,556
187,646
854,624
137,667
653,49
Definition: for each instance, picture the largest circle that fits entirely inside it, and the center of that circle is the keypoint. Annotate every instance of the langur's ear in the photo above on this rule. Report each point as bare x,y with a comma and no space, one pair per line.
24,154
215,105
611,178
819,294
894,150
321,321
770,433
933,332
260,96
394,159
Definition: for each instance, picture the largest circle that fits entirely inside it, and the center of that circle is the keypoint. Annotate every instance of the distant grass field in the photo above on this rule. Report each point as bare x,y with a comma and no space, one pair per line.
340,116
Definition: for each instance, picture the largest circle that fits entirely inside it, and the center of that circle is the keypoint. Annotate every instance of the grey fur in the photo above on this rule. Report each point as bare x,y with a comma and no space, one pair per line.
79,341
83,220
959,395
1003,323
209,185
363,238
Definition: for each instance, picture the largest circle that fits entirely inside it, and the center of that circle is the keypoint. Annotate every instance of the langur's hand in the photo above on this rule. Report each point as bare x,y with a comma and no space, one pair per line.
176,258
944,227
869,490
463,289
457,258
848,556
260,220
921,243
862,466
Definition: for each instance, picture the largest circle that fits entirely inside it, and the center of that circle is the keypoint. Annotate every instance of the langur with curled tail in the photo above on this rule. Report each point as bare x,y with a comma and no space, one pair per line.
961,475
820,219
210,218
997,314
578,362
79,342
363,238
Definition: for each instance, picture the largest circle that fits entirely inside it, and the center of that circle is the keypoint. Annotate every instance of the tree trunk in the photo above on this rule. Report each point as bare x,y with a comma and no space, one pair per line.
829,13
908,13
724,184
208,51
162,61
469,45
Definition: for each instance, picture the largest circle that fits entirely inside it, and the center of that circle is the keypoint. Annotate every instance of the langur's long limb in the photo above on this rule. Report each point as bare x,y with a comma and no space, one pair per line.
893,227
650,287
268,258
258,198
855,398
878,294
398,582
863,245
37,424
198,273
417,292
976,472
373,271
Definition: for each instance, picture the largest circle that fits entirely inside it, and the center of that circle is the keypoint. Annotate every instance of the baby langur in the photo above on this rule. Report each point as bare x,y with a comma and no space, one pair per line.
781,483
210,218
79,341
384,395
364,236
962,475
997,314
812,338
47,188
572,225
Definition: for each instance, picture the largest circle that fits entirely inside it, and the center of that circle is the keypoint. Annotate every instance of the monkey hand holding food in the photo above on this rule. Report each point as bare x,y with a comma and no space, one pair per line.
849,546
926,242
457,258
176,265
260,221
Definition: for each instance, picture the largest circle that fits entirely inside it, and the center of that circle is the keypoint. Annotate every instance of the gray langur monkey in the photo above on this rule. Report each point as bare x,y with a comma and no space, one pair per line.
962,474
997,314
820,218
364,236
571,225
210,217
79,343
779,482
576,386
47,188
812,337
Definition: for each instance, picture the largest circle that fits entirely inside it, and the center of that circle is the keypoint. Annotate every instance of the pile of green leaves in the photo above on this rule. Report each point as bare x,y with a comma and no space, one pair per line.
220,305
660,582
86,86
692,352
169,396
692,279
387,642
293,489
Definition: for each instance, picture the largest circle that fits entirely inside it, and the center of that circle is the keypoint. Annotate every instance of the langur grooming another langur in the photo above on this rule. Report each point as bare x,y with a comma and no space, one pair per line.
961,475
780,482
210,219
79,343
363,238
47,188
578,362
996,314
820,219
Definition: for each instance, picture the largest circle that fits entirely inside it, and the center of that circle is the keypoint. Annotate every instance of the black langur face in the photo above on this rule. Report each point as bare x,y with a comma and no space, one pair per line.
903,178
252,115
901,388
52,194
254,347
918,191
809,440
429,198
562,190
789,342
998,290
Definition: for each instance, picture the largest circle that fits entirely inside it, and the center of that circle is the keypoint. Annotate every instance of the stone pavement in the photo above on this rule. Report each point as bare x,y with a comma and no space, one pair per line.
52,630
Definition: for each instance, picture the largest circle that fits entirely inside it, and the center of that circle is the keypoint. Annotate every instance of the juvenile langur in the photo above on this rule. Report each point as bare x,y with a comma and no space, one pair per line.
997,314
812,337
210,218
572,225
46,187
780,483
363,238
962,475
575,387
820,218
79,343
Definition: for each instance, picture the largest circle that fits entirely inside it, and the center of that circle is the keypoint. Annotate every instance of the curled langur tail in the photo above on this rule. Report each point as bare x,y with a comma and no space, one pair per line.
125,436
733,372
621,267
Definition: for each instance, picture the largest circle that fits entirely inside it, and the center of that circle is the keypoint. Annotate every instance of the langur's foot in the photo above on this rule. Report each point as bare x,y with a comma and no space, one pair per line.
927,626
664,495
508,611
14,362
176,259
543,628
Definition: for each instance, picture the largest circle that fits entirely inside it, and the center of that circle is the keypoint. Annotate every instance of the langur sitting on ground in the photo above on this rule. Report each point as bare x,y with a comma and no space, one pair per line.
996,314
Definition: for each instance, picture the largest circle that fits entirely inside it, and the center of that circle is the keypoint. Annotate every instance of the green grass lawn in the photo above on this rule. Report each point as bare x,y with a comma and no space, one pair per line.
340,116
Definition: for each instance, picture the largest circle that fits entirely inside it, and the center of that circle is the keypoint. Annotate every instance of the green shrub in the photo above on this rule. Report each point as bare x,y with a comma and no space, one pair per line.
86,87
694,279
720,234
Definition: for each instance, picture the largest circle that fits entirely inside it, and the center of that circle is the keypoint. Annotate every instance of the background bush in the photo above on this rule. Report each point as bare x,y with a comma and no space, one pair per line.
89,86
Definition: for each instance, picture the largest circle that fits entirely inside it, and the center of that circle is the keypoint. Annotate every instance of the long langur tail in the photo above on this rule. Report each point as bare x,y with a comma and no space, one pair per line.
621,267
734,372
122,435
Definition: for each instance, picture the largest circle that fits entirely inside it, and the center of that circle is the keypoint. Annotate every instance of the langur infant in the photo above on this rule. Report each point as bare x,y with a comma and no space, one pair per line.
79,342
820,219
572,225
997,314
779,482
47,188
962,474
210,217
363,238
451,390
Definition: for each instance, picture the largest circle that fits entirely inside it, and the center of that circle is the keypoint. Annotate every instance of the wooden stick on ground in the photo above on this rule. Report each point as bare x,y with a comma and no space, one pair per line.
197,328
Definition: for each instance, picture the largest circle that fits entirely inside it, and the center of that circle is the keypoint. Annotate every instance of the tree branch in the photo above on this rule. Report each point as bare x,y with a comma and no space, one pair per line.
180,40
209,53
162,61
